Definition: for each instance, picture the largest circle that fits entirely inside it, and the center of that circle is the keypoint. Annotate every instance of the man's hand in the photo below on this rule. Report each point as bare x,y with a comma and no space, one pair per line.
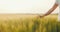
41,16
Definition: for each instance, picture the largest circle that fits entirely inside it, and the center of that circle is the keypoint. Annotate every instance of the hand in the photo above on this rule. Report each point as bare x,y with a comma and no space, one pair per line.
41,16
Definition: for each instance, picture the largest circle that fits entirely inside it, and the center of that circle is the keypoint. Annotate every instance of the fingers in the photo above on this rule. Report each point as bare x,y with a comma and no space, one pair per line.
41,16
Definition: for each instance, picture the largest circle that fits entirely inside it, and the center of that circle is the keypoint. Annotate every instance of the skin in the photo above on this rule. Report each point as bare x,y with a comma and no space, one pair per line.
50,10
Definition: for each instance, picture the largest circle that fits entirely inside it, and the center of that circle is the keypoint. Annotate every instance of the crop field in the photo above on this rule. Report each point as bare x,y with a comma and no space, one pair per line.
28,23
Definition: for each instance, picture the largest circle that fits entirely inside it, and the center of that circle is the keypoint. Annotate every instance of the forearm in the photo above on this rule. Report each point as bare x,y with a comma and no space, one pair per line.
51,10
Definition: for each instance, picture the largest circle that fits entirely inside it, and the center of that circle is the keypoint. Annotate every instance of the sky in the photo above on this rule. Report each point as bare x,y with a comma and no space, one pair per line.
26,6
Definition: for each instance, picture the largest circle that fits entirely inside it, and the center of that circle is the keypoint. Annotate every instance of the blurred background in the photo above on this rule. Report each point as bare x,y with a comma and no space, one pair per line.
21,16
26,6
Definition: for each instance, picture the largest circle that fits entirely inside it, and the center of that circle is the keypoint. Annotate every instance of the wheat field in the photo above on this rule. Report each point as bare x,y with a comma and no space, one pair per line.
28,23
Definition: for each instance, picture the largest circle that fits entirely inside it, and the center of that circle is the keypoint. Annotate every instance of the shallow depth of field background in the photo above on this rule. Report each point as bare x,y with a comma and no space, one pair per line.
15,16
28,23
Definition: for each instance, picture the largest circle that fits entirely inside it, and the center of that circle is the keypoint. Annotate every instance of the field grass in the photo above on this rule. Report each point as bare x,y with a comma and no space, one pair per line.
28,23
